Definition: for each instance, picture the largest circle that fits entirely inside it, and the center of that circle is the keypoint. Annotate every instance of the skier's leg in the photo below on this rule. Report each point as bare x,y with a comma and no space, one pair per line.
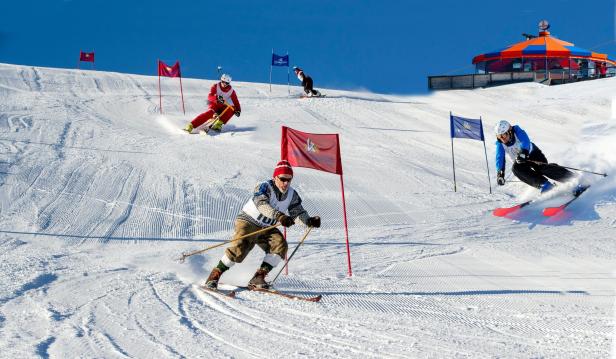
552,171
235,253
226,116
275,248
556,172
526,174
202,118
238,250
308,87
221,120
274,244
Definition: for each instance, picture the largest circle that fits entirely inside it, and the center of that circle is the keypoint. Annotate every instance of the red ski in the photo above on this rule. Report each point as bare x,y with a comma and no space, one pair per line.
504,211
553,211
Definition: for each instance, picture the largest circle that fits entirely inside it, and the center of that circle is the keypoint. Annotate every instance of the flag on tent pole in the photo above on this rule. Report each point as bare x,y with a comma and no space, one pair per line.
86,57
282,61
461,127
165,70
320,152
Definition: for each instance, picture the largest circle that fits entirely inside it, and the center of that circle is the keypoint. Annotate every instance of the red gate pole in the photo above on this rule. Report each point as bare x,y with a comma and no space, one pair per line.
346,227
160,98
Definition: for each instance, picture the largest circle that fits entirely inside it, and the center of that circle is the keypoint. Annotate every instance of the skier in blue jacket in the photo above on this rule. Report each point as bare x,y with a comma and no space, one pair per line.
530,165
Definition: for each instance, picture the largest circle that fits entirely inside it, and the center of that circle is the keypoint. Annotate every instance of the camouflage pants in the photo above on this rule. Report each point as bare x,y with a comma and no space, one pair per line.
270,241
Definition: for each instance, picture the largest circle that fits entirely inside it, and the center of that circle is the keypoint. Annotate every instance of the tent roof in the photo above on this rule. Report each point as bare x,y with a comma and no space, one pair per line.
542,46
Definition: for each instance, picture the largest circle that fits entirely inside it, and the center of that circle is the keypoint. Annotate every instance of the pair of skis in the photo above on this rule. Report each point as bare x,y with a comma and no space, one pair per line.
232,294
313,96
548,211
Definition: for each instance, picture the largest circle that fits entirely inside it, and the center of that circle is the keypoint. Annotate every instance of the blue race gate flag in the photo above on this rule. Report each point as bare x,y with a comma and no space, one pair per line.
280,60
466,128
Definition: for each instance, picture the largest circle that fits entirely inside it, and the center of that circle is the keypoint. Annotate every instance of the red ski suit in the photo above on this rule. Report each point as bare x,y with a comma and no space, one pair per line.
228,93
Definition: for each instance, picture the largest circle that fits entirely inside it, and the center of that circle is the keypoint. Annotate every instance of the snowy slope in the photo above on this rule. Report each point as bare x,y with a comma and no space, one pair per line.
100,194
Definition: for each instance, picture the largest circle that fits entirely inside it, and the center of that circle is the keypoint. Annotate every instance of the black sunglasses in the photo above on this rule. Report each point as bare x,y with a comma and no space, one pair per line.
225,82
285,179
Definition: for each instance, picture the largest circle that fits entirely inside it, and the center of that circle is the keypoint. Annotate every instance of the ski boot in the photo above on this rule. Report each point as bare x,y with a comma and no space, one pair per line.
212,280
546,186
189,127
579,189
258,281
217,125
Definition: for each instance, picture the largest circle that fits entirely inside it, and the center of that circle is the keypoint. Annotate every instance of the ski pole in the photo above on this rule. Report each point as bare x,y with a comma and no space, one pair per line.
186,255
570,168
292,253
228,107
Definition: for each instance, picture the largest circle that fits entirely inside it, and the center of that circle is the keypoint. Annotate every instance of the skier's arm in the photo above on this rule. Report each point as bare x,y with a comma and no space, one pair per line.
211,97
261,199
523,137
297,211
236,101
500,157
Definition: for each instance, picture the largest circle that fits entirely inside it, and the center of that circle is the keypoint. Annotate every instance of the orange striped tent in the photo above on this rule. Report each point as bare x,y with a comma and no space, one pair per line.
539,53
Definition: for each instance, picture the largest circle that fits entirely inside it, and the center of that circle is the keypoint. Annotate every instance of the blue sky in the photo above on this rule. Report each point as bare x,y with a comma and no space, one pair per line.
381,46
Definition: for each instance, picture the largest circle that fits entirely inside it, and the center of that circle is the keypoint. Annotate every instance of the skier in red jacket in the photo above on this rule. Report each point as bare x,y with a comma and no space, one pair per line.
222,104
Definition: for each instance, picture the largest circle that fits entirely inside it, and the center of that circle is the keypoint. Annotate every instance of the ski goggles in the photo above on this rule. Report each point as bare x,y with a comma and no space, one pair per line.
503,137
285,179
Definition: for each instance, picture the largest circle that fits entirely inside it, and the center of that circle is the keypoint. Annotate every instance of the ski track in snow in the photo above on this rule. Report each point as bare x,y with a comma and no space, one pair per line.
100,193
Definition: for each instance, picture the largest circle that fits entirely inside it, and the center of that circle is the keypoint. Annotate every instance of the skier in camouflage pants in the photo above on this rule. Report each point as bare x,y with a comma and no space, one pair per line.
270,201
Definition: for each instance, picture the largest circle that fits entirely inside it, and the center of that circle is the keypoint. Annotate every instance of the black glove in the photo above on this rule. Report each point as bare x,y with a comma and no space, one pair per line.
314,222
220,99
522,157
286,220
500,178
237,113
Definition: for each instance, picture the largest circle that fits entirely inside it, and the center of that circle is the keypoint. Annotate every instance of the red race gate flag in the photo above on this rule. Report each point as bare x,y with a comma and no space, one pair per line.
318,151
310,150
169,71
86,56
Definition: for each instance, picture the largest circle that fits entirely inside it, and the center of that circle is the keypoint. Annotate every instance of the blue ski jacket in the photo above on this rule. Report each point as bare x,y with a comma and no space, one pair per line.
516,144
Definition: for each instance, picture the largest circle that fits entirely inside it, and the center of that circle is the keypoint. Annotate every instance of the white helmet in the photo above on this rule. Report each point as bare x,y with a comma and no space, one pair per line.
501,127
226,78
